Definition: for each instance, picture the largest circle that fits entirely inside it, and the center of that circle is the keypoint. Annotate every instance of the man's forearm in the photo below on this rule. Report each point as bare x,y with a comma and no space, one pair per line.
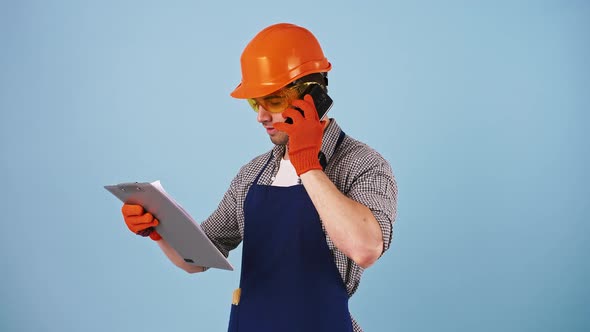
350,225
175,258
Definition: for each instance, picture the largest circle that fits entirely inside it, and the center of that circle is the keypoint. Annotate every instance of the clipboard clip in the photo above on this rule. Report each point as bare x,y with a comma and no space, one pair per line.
129,187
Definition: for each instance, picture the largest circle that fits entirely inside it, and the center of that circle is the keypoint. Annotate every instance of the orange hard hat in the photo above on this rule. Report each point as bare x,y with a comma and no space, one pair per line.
277,56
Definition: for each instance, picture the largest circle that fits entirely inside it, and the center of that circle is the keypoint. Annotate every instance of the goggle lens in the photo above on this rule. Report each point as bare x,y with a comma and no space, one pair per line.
279,101
273,104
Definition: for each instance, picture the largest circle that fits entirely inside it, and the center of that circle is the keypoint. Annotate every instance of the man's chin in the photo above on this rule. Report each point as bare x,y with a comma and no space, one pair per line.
279,139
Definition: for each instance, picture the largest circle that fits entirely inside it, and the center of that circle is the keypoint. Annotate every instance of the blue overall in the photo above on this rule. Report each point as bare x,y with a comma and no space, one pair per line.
289,281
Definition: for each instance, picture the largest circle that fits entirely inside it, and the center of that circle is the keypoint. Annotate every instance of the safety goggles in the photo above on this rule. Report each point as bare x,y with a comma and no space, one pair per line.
278,102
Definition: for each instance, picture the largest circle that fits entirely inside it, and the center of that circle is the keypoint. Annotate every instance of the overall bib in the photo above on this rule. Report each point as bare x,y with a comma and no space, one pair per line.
289,281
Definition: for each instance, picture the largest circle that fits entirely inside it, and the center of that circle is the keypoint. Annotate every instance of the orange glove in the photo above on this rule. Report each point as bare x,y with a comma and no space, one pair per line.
305,135
139,222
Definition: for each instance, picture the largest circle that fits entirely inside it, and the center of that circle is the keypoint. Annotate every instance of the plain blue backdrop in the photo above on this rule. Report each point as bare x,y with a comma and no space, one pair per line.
481,107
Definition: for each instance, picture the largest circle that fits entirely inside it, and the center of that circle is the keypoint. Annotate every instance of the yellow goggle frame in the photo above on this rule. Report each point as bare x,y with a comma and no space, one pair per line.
279,101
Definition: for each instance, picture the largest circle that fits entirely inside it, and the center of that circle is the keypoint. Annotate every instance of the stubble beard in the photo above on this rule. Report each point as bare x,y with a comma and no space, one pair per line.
280,138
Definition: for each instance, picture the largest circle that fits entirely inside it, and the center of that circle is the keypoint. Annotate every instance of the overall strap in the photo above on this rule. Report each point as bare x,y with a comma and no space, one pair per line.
263,168
340,139
322,156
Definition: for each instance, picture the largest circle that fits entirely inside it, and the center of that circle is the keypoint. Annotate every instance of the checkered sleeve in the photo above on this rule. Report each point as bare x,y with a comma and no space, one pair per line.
222,226
374,186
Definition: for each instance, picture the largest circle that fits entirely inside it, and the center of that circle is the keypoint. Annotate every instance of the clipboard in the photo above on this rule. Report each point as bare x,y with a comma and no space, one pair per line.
176,226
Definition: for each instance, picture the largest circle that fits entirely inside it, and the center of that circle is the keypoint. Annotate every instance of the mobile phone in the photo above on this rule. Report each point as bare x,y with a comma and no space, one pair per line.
322,101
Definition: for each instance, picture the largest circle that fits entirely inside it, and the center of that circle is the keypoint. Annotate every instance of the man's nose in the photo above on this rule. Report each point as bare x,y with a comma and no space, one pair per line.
263,115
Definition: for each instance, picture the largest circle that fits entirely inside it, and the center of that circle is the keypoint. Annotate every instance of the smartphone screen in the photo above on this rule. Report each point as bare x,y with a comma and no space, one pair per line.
322,101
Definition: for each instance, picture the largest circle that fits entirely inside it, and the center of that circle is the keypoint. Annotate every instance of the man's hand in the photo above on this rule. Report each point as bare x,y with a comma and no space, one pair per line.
305,135
140,222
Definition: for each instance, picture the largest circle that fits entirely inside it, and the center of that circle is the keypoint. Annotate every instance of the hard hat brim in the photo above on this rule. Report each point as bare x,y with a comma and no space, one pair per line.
243,91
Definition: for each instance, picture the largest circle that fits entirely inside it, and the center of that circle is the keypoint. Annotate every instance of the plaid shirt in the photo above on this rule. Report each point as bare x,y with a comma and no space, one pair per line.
358,171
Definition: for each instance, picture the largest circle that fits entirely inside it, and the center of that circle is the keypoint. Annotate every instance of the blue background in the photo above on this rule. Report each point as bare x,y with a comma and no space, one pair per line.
480,107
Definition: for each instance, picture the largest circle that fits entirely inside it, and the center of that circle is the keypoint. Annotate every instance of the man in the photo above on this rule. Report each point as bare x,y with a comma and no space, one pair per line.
312,213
